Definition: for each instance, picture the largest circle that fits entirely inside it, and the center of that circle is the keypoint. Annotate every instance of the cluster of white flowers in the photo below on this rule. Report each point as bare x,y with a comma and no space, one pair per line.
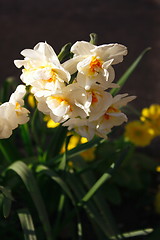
82,104
13,113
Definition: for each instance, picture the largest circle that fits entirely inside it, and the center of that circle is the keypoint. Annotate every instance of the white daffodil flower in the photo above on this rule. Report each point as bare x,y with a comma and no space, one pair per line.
8,120
5,128
95,61
104,115
13,113
73,101
113,115
17,101
101,100
42,69
82,126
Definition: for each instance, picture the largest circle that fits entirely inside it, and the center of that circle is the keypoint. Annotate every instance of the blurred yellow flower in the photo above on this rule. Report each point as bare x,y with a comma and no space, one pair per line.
84,140
158,169
70,164
31,100
50,122
74,141
151,116
138,133
89,154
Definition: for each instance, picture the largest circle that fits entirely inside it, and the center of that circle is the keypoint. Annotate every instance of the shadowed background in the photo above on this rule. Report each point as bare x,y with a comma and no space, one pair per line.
133,23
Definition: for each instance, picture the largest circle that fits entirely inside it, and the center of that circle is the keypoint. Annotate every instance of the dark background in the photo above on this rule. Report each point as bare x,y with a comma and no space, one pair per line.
134,23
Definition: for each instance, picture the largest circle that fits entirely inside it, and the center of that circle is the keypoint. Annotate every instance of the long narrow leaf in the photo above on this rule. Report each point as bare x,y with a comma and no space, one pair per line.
28,179
26,138
27,224
103,178
88,178
80,148
3,149
92,211
57,224
132,234
54,176
129,71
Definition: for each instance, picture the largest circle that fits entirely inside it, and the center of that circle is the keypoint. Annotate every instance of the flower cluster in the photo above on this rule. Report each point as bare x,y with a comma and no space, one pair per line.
142,132
82,103
13,113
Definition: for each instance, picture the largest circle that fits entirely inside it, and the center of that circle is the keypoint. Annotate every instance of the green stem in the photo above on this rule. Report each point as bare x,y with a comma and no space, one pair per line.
5,153
106,176
26,138
60,209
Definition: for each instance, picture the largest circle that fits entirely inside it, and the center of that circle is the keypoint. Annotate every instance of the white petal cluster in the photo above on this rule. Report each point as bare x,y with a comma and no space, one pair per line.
42,70
83,104
13,113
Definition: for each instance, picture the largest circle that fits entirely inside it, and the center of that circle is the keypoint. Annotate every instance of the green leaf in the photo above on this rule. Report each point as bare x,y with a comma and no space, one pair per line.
5,152
57,224
6,206
132,234
29,180
154,234
6,192
113,194
26,138
54,176
105,176
77,150
7,200
88,178
129,71
54,147
27,224
91,209
62,165
65,52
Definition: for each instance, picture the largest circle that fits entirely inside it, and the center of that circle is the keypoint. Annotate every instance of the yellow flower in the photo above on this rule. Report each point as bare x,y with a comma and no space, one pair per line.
138,133
84,140
50,122
151,115
74,141
70,164
158,169
31,100
89,154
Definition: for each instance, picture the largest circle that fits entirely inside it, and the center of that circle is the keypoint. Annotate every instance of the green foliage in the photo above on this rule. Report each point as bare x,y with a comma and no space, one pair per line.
128,72
27,224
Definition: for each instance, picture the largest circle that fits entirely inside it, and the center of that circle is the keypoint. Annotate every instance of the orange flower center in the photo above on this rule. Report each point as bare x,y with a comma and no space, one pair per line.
95,65
61,101
110,110
94,98
18,106
53,77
